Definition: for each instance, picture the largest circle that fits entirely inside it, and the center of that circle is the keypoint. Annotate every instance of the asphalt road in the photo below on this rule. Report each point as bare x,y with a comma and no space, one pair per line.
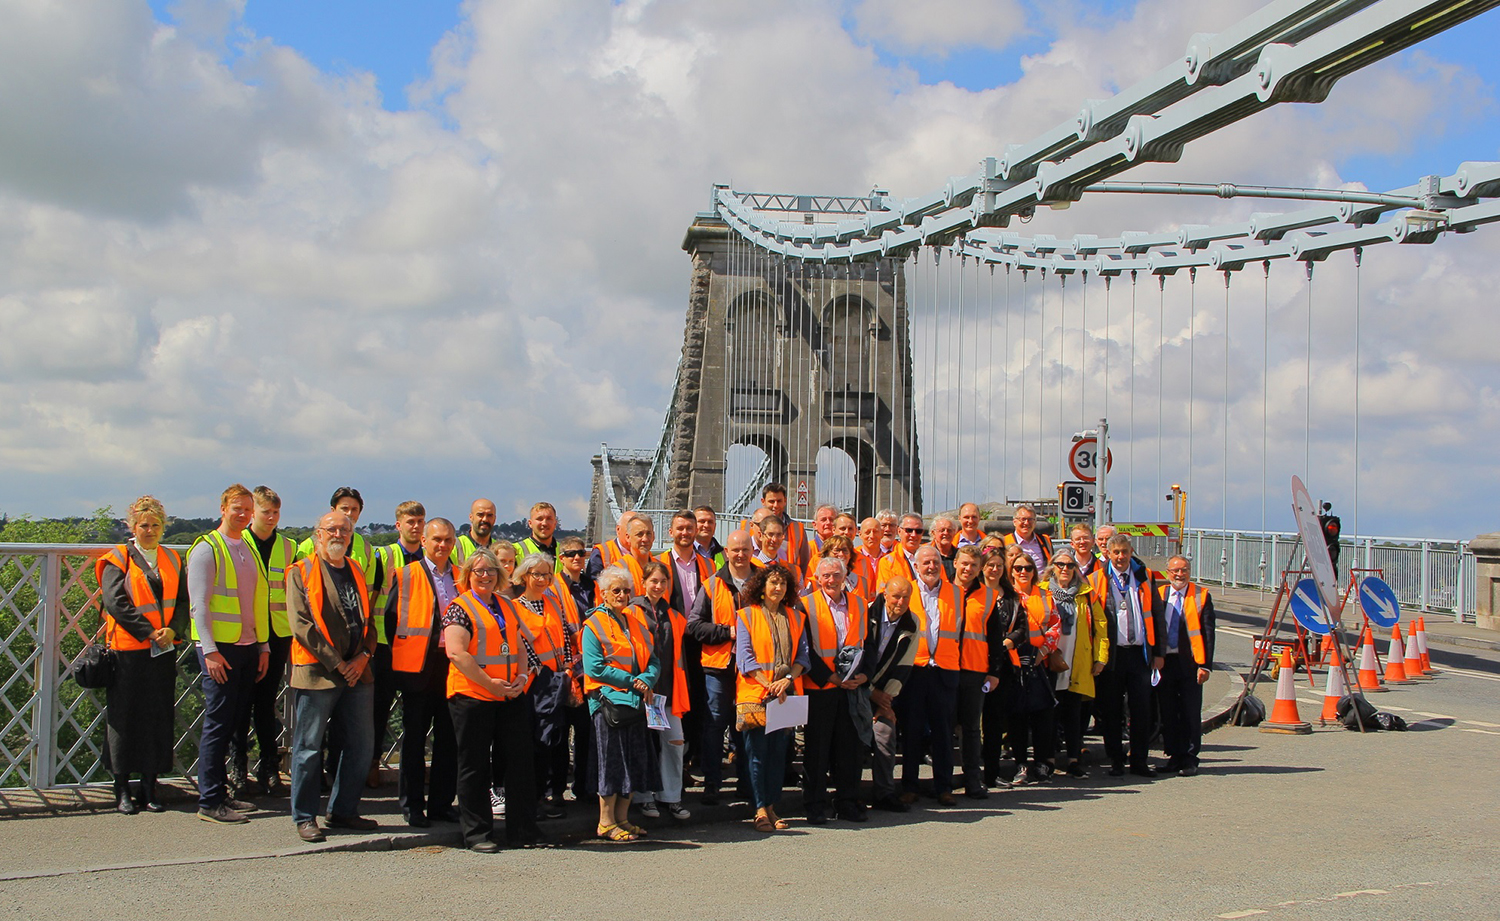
1332,825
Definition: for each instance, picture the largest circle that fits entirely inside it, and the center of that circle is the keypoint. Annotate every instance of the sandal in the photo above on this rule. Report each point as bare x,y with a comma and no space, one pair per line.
633,829
781,824
614,833
763,823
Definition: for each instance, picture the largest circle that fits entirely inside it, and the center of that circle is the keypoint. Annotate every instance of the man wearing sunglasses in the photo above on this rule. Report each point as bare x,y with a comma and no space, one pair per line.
902,560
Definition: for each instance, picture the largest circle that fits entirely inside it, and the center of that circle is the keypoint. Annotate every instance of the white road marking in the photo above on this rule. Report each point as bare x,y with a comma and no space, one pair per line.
1483,732
1481,723
1434,716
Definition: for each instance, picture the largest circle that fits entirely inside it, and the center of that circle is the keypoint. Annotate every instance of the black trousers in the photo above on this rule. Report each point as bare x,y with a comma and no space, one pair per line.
830,739
971,700
994,721
481,728
580,755
1039,729
1181,698
924,713
1071,716
1126,677
419,788
265,701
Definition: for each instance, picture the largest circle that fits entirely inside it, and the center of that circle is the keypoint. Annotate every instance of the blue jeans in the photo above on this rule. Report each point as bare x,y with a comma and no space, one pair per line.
225,706
350,713
767,755
720,686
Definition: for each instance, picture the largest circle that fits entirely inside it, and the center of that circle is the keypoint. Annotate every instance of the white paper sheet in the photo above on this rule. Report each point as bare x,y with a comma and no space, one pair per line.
786,715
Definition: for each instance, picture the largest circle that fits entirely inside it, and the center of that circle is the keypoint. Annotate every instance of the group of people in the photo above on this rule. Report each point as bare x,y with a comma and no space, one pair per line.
530,667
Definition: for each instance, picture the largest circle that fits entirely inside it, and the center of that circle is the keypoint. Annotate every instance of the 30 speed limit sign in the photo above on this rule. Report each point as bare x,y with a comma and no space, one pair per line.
1084,460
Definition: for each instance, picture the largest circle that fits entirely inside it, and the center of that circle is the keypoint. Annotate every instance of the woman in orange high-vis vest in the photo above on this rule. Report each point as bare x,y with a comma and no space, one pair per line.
771,657
995,577
1031,633
667,629
488,675
145,611
620,666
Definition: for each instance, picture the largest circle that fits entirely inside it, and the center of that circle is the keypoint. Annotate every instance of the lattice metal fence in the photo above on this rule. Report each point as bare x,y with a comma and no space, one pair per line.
51,730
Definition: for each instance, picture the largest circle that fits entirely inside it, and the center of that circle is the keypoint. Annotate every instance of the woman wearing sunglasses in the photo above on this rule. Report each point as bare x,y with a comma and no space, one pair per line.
1084,644
1031,634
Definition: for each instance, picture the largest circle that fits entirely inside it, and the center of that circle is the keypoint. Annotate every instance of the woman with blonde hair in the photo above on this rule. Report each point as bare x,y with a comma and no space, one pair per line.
1084,644
145,600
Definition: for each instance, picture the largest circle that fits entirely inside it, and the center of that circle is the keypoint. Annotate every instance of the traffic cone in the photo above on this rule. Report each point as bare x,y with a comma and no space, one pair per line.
1284,717
1427,668
1369,668
1395,660
1413,663
1335,690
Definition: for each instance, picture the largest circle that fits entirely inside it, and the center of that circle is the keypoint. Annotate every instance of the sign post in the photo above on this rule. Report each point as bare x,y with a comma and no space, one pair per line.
1102,494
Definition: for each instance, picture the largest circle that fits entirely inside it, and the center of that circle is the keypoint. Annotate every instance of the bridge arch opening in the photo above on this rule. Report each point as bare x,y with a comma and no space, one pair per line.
838,478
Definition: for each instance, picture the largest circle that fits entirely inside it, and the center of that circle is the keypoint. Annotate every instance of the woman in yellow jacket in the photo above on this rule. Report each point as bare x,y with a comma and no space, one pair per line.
1085,647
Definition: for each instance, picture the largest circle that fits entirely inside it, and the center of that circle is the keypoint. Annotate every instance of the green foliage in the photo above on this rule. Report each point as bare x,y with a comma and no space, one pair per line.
101,528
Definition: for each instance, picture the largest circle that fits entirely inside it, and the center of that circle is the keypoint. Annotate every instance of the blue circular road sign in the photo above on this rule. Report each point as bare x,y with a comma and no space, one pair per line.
1308,608
1378,601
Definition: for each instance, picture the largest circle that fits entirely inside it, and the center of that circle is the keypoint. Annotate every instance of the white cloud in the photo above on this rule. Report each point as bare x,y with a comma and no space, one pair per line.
218,263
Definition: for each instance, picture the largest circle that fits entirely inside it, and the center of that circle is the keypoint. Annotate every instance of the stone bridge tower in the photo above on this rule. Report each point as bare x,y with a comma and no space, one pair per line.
792,358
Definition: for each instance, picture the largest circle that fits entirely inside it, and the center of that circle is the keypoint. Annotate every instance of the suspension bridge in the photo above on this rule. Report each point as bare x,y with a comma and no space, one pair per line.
916,353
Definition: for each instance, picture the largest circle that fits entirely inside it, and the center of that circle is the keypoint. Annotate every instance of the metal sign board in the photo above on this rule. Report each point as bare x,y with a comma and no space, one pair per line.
1083,460
1308,608
1143,529
1379,602
1318,559
1077,498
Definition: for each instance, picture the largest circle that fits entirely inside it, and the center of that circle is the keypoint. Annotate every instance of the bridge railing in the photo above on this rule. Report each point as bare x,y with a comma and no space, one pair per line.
1428,575
52,730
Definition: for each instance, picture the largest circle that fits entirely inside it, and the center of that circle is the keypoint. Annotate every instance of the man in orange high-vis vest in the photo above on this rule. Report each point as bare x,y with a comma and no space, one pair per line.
926,707
1133,609
838,631
902,558
419,593
711,623
1189,660
610,552
975,677
328,605
1037,546
690,572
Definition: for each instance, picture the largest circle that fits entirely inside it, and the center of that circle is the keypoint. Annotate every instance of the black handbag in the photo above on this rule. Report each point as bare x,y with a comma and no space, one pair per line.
617,716
95,666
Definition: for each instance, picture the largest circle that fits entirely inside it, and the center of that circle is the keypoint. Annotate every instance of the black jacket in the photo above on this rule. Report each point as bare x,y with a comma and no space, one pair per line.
1158,608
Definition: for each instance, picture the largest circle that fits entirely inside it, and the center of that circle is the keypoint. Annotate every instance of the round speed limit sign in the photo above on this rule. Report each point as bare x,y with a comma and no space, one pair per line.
1083,460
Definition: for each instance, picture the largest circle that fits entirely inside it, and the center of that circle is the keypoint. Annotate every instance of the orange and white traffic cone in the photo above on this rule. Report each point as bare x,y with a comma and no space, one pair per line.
1284,717
1369,667
1395,659
1336,689
1413,661
1427,668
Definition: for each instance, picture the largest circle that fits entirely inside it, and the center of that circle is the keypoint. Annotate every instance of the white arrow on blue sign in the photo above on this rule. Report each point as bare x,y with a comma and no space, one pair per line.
1379,601
1308,608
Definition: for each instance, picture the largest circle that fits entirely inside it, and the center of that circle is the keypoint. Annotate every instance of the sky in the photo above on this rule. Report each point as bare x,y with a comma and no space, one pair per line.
433,249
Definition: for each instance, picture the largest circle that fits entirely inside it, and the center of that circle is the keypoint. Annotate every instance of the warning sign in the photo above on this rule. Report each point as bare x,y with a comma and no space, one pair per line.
1139,529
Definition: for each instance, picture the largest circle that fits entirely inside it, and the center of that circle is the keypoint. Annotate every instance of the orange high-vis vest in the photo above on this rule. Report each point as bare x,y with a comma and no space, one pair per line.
946,654
566,603
312,580
1045,542
498,652
864,568
822,637
637,575
763,645
678,622
416,611
544,631
722,606
1037,605
894,564
630,653
146,605
1192,618
974,641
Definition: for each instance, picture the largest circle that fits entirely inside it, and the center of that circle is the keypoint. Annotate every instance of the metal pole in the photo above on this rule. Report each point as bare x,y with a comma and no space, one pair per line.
44,756
1101,466
1426,580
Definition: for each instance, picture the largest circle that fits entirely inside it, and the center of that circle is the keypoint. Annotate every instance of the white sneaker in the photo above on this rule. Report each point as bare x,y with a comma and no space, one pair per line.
497,802
678,811
649,810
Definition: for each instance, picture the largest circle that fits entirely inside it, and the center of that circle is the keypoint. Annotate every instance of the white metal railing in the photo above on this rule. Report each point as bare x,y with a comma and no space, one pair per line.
1427,575
51,730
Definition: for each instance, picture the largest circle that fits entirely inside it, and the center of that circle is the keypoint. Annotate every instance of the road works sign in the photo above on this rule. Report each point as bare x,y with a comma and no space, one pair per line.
1143,529
1308,608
